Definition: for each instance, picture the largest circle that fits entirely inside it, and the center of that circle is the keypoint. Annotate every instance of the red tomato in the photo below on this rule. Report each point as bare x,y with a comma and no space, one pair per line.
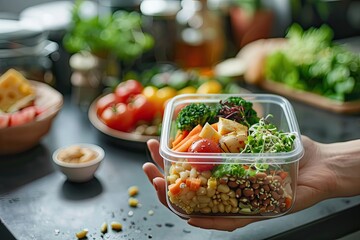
104,102
204,146
119,117
143,108
125,90
4,120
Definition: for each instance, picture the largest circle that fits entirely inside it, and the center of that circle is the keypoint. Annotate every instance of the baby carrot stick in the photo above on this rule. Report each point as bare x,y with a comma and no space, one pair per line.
180,135
183,147
194,131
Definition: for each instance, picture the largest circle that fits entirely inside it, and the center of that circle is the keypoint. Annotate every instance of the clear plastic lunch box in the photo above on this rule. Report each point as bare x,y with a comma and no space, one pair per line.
261,194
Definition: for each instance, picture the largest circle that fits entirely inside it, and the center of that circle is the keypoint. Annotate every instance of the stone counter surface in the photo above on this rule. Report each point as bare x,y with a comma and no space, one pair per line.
37,202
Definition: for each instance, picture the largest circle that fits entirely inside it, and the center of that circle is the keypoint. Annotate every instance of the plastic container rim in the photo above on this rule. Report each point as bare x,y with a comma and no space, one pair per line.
271,158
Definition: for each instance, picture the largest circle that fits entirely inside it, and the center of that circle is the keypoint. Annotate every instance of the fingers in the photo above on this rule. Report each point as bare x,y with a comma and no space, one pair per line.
224,224
156,177
154,146
152,171
159,185
157,180
308,146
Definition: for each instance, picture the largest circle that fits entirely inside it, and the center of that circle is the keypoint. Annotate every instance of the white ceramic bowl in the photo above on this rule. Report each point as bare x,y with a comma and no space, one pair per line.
80,172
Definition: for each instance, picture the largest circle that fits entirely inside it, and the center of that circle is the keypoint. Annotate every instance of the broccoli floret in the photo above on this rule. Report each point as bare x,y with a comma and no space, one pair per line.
194,114
238,109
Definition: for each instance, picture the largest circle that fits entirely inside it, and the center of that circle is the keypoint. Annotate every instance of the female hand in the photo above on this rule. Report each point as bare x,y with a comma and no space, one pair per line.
318,180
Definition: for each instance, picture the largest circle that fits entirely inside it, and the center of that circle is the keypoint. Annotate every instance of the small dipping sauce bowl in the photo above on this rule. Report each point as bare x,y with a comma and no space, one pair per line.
79,162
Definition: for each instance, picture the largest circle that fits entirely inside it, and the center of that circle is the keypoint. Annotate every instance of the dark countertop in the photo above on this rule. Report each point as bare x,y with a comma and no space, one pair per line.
36,201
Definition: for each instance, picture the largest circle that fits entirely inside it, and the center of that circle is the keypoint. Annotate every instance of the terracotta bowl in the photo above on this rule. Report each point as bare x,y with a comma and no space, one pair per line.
23,137
130,141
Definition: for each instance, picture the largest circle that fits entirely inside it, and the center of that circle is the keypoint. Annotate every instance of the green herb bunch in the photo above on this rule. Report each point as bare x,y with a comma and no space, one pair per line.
238,170
119,34
264,137
313,62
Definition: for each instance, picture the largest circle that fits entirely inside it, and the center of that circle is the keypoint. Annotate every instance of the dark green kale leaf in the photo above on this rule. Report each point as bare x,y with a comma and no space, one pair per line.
194,114
239,110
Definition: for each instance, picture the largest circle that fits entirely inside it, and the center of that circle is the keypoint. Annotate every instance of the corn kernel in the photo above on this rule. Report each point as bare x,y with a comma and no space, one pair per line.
212,183
133,190
103,227
133,202
116,226
82,234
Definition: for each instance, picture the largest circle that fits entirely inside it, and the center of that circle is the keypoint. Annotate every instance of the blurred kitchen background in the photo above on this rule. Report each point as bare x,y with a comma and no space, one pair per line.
186,33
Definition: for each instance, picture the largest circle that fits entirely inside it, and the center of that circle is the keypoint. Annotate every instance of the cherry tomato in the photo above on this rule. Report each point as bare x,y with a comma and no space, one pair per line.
119,117
165,94
186,90
204,146
143,108
211,86
125,90
104,102
150,93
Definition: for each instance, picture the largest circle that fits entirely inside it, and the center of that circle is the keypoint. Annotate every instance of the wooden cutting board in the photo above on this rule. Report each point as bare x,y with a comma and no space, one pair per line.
351,107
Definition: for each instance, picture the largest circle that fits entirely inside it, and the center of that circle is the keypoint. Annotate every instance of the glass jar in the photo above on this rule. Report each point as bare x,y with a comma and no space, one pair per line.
200,35
24,46
86,78
159,20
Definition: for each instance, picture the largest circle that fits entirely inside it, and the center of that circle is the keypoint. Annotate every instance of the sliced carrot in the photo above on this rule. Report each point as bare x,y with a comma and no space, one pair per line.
185,146
288,202
193,183
194,131
180,135
175,188
283,175
215,126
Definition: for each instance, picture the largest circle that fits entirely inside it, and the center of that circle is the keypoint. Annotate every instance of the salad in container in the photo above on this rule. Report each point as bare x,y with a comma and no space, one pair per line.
230,155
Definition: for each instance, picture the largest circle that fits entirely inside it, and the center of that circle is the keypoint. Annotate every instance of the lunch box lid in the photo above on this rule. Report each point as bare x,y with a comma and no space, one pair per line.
243,158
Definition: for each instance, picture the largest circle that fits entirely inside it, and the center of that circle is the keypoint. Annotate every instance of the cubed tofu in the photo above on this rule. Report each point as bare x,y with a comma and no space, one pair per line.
226,126
209,132
233,142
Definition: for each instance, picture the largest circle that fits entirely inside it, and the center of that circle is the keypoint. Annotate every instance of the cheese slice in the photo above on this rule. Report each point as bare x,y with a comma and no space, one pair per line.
226,126
15,91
